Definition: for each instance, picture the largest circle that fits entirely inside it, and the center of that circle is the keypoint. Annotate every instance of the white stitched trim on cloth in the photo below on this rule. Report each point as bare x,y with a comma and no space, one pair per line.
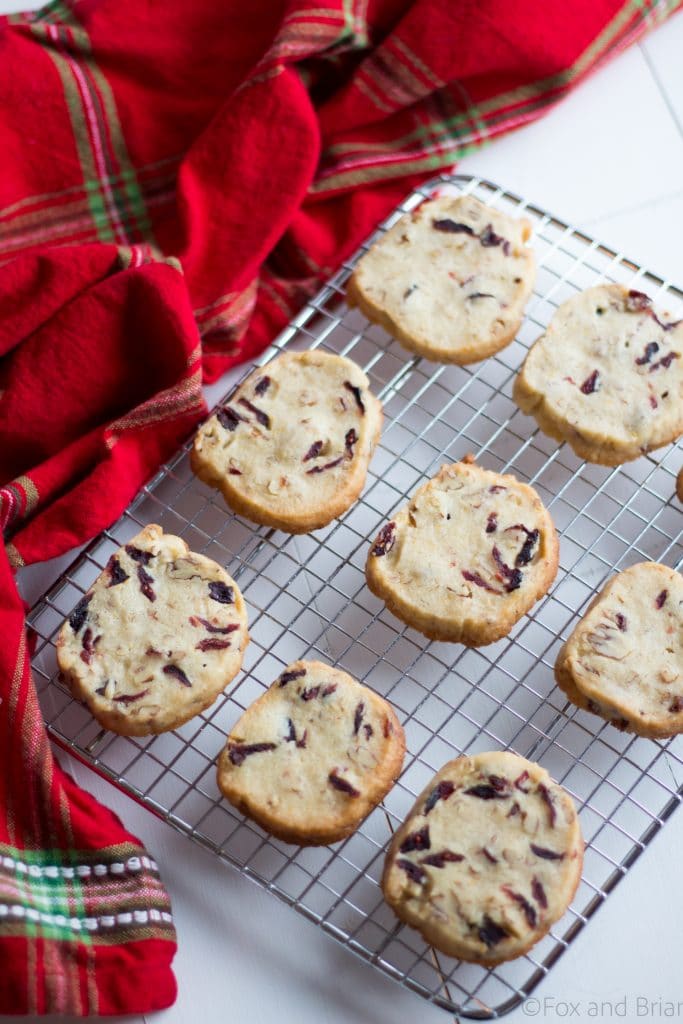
133,864
90,924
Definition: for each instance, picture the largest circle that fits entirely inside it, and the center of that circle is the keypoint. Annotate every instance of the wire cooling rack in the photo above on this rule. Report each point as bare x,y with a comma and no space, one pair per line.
307,598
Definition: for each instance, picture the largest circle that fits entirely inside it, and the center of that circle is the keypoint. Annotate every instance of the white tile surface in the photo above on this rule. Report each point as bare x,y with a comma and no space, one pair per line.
663,51
245,957
608,146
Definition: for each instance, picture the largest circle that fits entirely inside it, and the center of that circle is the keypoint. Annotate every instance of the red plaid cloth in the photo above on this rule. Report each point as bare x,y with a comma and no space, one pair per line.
176,180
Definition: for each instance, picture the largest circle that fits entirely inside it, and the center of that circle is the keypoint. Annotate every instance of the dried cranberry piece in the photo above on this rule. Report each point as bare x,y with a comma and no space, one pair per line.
310,694
116,573
480,295
262,417
234,472
492,523
146,582
342,784
291,735
328,465
666,327
491,933
500,784
138,555
520,780
544,793
483,791
88,645
262,385
194,620
527,550
479,581
416,841
327,690
522,901
221,592
512,576
636,302
212,644
676,705
387,728
358,717
349,441
653,402
591,383
441,791
437,860
489,856
514,810
545,854
229,419
489,238
385,540
496,489
129,698
287,677
177,673
237,752
357,394
80,613
453,227
665,362
660,600
621,621
313,452
368,730
413,871
538,892
650,349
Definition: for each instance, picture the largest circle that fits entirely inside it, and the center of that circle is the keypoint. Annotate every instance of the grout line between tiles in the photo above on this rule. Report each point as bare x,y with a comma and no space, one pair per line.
660,85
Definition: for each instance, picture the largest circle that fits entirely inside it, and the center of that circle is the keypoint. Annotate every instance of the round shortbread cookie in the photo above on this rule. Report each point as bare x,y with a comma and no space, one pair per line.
313,756
291,447
158,636
607,376
624,660
467,557
488,859
450,281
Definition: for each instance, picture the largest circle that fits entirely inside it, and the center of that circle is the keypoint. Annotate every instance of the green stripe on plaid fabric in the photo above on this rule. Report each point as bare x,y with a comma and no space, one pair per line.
116,202
98,897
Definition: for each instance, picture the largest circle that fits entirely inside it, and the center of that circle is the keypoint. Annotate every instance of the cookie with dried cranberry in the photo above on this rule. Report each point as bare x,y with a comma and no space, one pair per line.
450,281
312,757
291,447
467,556
607,376
157,637
624,660
487,860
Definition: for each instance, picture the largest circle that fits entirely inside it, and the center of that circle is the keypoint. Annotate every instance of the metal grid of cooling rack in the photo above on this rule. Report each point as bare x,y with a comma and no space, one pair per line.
307,598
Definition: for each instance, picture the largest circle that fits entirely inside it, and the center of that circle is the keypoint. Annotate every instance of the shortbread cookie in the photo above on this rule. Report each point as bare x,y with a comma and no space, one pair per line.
313,756
291,447
624,660
158,636
449,281
488,859
607,376
467,557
